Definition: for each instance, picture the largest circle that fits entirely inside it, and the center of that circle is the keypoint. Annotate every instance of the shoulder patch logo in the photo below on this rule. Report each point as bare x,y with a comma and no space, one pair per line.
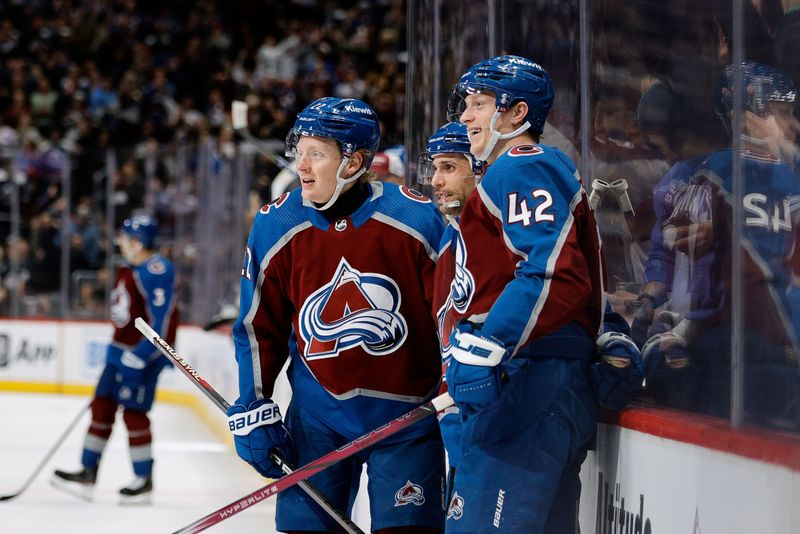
525,150
409,494
414,195
456,508
277,203
354,309
156,267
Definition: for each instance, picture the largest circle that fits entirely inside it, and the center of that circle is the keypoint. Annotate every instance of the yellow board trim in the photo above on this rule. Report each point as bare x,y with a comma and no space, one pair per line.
182,398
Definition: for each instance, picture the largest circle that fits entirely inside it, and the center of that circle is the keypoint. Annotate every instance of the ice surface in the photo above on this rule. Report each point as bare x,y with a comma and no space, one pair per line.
194,474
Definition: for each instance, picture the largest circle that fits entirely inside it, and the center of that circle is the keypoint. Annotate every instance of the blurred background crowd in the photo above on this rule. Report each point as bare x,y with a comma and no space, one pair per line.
79,79
116,107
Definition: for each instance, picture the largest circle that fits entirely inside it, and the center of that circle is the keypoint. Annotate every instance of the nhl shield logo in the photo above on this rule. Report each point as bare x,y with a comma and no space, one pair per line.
456,508
353,309
409,494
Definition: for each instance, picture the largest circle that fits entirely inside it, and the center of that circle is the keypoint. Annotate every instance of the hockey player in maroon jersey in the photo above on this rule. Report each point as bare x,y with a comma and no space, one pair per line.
449,168
145,288
338,278
519,371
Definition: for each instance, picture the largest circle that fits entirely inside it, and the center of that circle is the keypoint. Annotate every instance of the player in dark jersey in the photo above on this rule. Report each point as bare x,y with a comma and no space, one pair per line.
145,287
448,166
691,355
519,371
338,278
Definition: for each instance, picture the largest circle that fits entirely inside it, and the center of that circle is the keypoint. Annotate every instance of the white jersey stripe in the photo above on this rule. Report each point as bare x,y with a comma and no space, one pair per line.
254,304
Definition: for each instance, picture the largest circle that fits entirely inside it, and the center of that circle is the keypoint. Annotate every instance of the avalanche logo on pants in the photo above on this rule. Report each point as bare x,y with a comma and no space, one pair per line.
409,494
456,508
353,309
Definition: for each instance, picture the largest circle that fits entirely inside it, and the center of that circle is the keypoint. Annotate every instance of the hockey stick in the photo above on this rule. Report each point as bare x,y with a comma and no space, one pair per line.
49,454
239,122
301,473
222,404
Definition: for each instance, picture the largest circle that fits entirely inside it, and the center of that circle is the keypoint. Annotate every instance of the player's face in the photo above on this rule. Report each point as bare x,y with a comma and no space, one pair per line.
476,116
452,182
129,247
318,160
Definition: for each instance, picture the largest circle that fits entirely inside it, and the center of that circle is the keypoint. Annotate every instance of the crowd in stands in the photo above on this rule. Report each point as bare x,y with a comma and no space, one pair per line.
142,77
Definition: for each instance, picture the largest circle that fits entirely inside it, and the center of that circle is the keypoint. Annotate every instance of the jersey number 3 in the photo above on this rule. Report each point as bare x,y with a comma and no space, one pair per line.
518,211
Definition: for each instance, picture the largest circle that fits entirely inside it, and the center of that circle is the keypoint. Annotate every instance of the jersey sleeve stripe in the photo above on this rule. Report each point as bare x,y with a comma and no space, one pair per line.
255,354
410,231
551,263
152,318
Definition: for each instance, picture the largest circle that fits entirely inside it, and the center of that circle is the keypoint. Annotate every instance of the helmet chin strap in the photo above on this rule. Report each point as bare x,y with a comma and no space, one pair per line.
496,136
340,183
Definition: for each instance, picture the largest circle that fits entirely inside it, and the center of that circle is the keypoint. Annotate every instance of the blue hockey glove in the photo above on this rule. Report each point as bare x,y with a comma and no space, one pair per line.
618,376
667,349
257,429
473,375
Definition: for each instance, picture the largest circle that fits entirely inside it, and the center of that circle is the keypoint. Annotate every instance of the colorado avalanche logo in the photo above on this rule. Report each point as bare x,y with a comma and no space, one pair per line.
456,508
409,494
354,309
463,285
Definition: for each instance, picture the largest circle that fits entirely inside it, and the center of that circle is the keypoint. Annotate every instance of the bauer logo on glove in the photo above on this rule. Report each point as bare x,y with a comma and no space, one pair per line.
242,423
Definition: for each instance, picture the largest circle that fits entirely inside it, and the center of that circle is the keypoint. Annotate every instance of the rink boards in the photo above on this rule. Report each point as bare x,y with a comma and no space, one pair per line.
654,471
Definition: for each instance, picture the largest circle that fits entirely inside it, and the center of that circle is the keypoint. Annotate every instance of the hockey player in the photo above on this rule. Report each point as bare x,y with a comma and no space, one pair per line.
521,353
699,227
338,277
448,166
145,287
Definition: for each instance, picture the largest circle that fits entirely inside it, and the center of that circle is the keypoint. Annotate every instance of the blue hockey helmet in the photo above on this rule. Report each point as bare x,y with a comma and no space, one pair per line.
449,139
350,122
143,228
762,84
512,79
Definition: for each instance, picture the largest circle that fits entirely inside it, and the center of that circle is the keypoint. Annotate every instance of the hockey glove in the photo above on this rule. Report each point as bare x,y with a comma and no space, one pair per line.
257,430
618,376
668,349
473,375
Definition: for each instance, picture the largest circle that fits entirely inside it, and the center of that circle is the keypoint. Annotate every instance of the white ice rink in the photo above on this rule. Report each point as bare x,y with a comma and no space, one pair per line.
194,473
